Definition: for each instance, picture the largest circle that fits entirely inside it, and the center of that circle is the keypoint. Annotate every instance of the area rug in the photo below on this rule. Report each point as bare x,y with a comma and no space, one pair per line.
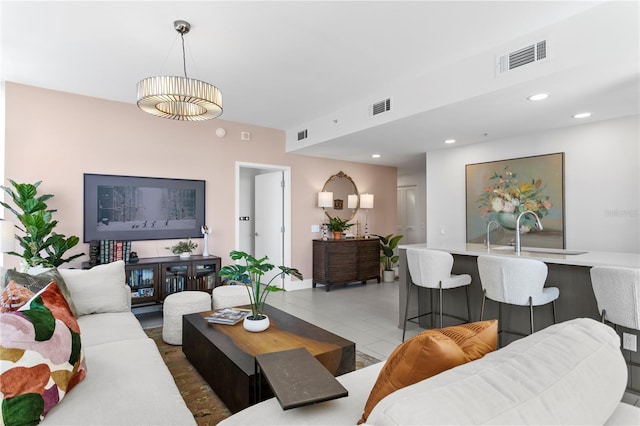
205,405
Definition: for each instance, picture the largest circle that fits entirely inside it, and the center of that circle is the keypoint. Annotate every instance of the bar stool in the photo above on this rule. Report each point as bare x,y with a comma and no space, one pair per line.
617,292
515,281
432,269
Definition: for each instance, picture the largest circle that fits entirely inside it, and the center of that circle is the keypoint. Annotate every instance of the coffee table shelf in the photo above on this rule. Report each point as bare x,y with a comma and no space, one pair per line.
298,379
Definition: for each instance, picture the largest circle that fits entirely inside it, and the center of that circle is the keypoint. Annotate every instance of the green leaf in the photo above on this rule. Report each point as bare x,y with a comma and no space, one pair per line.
42,319
24,409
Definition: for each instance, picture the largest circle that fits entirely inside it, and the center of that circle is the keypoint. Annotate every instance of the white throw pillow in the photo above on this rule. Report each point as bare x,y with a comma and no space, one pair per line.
98,289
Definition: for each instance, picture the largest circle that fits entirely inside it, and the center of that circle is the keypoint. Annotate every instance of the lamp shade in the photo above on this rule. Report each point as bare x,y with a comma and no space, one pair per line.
353,201
366,201
325,199
7,236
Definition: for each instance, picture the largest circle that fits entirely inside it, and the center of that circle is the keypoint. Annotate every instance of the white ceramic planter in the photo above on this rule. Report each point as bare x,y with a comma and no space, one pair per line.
388,276
256,326
185,255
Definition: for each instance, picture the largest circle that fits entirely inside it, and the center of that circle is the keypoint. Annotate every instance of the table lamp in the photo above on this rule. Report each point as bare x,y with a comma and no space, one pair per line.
366,203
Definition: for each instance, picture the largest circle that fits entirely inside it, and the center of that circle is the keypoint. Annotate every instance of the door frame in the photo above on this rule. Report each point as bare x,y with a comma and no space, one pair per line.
286,214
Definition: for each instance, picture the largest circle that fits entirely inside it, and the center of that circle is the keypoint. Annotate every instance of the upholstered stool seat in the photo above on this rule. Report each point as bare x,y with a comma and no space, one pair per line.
175,306
515,281
228,296
432,269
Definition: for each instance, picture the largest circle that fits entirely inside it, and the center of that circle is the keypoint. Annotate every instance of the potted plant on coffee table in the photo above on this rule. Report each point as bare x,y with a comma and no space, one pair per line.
183,248
252,271
338,226
388,258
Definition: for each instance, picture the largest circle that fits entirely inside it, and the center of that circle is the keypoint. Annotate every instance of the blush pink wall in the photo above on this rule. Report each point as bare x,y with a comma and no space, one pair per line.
56,137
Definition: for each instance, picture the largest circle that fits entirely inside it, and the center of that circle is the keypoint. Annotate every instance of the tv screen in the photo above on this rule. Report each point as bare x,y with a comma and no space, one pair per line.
142,208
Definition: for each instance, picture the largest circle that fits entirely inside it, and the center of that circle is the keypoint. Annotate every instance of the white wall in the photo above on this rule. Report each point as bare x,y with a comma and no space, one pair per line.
602,183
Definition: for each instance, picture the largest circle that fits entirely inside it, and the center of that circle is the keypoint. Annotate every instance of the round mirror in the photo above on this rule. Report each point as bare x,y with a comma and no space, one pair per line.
342,187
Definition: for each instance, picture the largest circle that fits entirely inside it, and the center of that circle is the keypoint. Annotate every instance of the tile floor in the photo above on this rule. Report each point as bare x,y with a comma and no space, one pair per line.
365,314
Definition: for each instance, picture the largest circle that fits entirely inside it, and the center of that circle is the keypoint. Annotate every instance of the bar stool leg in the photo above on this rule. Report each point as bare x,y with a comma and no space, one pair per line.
531,311
406,312
484,297
553,306
500,325
466,289
440,304
431,305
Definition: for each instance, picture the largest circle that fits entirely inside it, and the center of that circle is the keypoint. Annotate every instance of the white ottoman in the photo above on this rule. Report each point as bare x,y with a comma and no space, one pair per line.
175,306
228,296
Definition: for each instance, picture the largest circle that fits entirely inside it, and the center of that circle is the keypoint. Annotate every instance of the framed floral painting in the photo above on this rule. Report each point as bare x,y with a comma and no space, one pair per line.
500,190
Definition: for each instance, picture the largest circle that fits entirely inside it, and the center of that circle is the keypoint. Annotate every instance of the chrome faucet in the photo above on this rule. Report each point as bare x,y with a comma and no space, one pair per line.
489,232
538,224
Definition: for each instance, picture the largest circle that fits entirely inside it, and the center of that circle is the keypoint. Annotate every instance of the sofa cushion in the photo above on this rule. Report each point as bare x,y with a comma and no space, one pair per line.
429,353
14,296
128,384
42,357
99,329
569,373
36,281
98,289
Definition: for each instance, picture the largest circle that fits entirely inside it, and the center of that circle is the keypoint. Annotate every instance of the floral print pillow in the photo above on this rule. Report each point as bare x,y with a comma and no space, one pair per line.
41,357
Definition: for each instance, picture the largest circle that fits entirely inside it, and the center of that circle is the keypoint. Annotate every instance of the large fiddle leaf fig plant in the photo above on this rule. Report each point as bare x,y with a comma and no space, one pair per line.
41,245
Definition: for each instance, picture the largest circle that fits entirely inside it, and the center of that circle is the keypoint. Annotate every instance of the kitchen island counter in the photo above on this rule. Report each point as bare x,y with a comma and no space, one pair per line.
569,272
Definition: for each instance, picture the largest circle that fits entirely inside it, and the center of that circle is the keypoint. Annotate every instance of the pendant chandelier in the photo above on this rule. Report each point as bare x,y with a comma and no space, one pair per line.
179,98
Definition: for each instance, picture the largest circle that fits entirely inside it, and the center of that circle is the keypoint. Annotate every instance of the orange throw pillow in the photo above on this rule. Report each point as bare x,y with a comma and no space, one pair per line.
429,353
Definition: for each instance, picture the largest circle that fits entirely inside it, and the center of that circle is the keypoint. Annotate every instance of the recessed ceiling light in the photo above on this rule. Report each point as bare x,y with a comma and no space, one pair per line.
538,97
582,115
450,141
375,156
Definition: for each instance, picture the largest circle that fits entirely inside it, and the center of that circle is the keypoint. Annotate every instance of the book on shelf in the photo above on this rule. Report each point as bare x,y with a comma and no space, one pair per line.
228,316
112,250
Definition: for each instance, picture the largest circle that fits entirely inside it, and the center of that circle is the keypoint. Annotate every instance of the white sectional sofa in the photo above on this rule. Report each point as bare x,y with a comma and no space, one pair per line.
570,373
127,382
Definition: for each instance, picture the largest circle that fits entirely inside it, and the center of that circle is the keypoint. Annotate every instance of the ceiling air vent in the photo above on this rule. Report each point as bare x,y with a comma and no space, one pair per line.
380,107
527,55
302,134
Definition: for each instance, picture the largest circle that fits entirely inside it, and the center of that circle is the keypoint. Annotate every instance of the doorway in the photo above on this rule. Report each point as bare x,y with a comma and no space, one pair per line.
263,211
409,215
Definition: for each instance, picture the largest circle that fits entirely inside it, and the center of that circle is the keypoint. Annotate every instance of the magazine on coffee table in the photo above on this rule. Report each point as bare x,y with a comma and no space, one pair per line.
228,316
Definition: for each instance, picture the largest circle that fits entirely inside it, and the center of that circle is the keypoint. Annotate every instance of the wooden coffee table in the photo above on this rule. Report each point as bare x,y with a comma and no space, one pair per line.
225,354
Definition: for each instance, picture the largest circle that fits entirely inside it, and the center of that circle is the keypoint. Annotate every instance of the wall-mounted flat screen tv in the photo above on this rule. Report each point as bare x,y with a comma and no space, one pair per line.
142,208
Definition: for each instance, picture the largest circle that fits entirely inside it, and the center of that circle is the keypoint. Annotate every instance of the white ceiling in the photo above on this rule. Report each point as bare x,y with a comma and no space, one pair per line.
285,64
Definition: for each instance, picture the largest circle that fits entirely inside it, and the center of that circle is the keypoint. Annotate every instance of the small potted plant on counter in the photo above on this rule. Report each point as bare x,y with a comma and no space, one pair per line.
183,248
387,256
338,226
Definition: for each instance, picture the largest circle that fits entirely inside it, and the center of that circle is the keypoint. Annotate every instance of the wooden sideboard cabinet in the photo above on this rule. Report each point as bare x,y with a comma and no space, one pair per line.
345,261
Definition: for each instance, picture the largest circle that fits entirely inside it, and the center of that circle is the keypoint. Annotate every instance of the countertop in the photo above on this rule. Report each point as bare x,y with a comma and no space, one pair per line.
589,258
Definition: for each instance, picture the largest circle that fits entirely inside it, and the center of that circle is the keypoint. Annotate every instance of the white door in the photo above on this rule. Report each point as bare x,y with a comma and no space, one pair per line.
269,219
408,215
